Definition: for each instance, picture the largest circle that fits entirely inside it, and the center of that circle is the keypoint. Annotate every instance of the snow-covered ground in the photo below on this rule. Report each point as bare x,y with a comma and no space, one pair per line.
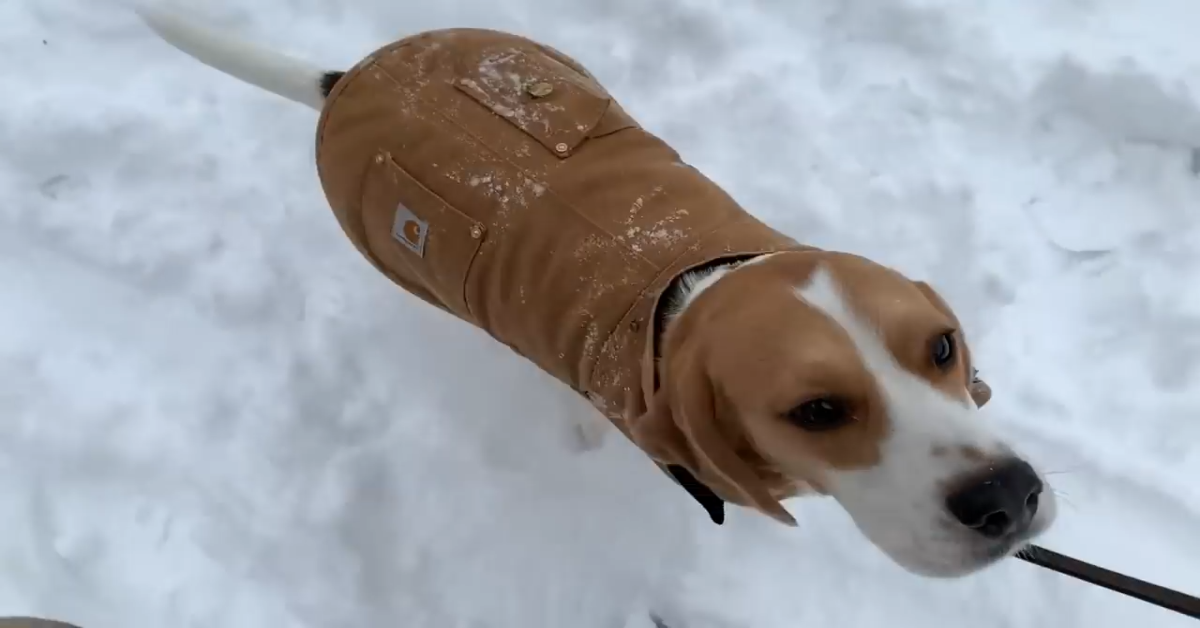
213,412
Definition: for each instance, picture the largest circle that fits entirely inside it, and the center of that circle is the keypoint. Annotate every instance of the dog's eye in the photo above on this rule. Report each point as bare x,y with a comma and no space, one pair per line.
820,415
942,350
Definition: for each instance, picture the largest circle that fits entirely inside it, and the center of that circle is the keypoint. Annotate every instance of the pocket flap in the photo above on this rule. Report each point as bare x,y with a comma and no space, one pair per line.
552,103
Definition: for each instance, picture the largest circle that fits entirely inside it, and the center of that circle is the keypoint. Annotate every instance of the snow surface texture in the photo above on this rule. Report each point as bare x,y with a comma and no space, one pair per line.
215,413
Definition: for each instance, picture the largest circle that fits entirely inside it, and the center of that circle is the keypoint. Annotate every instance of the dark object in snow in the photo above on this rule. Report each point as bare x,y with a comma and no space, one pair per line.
32,622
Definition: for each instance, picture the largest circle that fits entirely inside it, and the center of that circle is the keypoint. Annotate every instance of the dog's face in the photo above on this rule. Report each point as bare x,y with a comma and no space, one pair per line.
828,373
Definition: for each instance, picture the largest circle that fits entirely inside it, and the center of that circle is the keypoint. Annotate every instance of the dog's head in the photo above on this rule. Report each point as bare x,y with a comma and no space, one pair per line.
825,372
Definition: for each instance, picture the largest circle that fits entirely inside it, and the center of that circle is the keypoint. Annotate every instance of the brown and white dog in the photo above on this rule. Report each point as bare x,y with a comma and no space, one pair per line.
492,177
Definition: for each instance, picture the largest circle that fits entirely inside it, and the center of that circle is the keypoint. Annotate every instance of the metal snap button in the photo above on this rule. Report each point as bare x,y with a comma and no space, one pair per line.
539,89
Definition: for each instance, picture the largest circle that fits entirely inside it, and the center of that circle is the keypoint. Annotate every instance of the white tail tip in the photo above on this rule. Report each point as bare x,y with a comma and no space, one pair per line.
264,68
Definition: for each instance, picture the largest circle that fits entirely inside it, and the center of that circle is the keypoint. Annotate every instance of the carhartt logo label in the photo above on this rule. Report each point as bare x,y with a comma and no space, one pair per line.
409,230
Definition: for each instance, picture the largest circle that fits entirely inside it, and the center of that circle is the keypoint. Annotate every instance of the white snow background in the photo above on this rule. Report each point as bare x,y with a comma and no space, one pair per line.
214,413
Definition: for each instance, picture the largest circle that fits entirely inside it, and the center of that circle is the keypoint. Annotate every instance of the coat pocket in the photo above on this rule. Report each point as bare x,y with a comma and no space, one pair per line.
419,237
550,101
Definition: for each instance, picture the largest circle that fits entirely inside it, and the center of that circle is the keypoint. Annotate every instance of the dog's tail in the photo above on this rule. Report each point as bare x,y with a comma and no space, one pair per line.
267,69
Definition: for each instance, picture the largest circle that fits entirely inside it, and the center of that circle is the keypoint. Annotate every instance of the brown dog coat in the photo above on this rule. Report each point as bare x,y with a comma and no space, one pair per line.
496,179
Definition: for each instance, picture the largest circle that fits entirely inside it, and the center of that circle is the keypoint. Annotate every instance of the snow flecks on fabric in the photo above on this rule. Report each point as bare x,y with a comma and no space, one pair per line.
591,290
592,340
503,90
615,377
597,402
639,203
496,185
664,233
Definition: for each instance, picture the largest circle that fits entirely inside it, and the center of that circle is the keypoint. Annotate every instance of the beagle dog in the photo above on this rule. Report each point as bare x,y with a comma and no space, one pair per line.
494,178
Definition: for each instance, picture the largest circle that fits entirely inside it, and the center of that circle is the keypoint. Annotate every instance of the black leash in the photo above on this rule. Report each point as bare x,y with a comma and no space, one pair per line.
1150,593
1162,597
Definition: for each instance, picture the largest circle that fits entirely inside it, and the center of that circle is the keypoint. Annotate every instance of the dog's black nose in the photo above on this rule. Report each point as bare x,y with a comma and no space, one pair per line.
1000,502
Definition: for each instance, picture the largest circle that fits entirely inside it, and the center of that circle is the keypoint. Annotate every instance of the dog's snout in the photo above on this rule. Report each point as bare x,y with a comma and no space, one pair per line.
1000,502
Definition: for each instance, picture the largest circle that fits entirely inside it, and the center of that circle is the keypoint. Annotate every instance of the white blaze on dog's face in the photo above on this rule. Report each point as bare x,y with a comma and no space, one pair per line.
827,372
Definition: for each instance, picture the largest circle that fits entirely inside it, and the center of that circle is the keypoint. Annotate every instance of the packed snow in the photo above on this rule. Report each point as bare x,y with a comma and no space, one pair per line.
214,412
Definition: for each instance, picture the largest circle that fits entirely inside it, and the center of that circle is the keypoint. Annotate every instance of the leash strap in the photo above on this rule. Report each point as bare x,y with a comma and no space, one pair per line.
1150,593
1092,574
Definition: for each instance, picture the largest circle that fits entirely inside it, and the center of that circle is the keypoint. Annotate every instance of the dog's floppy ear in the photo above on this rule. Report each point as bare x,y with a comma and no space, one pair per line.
936,299
980,392
681,428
